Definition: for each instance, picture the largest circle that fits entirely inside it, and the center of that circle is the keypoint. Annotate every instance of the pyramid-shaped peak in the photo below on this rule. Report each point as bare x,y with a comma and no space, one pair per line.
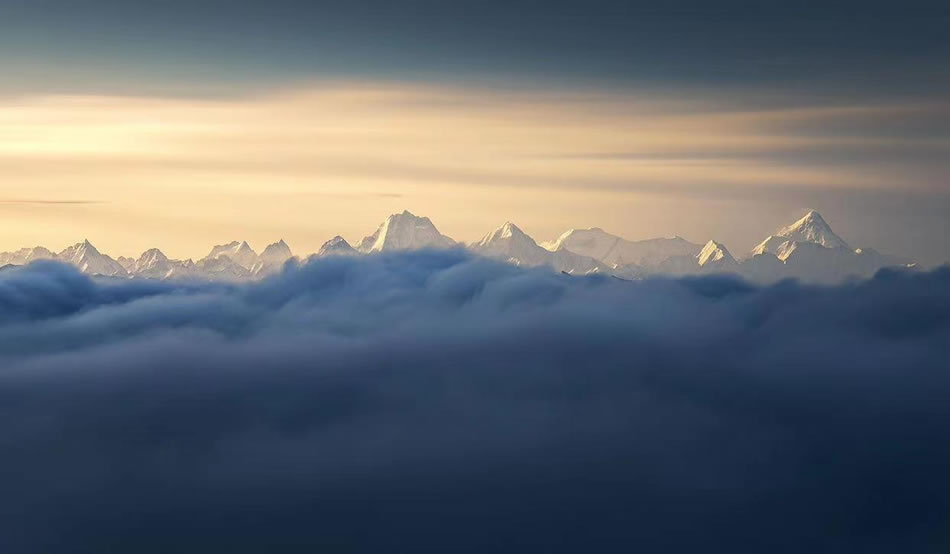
90,261
714,252
80,248
231,247
402,232
238,252
277,251
279,244
336,241
507,231
812,218
812,227
153,254
406,214
510,229
336,245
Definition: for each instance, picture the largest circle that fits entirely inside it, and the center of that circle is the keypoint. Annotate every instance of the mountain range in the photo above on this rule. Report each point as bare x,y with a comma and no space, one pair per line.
807,250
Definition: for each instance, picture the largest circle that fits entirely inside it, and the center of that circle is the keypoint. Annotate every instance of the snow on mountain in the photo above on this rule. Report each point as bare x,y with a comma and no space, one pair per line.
183,269
24,256
812,262
714,255
221,268
127,263
404,231
272,259
337,246
84,256
154,264
807,250
810,251
616,251
277,252
238,252
677,265
811,228
593,242
871,258
763,268
509,243
565,261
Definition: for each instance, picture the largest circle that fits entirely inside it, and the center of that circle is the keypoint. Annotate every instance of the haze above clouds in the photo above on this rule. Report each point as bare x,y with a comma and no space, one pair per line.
334,158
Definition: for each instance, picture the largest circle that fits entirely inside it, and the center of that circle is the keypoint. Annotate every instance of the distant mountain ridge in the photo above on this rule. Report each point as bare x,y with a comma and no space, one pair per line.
807,250
616,251
510,244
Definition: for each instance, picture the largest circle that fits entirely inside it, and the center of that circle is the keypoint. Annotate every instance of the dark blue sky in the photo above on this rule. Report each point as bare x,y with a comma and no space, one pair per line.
844,49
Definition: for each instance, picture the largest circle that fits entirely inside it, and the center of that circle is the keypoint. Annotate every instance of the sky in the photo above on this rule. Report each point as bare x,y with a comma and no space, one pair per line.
187,124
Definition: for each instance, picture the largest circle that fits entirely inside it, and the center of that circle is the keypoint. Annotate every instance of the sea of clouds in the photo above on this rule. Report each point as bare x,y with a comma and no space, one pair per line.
438,402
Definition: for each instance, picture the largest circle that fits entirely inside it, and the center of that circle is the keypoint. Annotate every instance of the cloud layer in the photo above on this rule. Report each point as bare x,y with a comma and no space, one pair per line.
432,401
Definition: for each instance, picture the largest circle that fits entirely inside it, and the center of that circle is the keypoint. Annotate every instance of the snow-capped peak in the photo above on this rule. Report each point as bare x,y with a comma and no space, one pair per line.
616,251
278,251
89,260
508,242
713,254
335,247
24,256
239,252
272,259
151,257
404,231
811,228
507,231
154,264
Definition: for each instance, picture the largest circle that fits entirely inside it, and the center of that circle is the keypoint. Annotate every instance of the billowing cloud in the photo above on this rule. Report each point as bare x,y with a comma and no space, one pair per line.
431,401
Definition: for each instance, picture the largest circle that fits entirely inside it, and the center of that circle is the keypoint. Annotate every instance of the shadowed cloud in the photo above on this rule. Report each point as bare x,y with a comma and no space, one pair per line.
431,401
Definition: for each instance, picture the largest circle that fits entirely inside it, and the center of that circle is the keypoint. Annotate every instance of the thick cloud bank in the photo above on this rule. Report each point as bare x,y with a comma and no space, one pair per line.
436,402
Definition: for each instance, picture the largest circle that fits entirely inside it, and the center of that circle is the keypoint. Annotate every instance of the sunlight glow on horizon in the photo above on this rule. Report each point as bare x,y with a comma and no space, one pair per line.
336,158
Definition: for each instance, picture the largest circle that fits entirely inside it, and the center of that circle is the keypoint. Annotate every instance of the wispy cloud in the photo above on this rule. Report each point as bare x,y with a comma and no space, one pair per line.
44,202
390,133
356,148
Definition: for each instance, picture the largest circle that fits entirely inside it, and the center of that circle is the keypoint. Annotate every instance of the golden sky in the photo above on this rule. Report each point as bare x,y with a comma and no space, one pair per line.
331,158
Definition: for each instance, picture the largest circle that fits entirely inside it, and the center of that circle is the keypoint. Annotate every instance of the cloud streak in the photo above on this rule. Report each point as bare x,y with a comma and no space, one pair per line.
432,401
44,202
